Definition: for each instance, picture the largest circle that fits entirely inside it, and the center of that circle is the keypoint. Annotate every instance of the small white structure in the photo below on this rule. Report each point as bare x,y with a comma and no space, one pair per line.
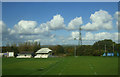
7,54
24,55
43,53
10,54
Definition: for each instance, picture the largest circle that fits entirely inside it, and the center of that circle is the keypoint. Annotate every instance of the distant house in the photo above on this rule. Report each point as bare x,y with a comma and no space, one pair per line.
43,53
10,54
25,54
7,54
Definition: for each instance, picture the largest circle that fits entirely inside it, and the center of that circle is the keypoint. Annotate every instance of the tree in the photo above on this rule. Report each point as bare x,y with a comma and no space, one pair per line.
57,50
84,50
100,45
69,50
14,49
36,46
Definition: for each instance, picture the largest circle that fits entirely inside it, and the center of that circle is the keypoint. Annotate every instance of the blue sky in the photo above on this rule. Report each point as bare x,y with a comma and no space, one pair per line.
42,12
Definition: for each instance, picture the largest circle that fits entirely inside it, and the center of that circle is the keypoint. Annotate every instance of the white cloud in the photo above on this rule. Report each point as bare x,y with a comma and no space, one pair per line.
117,23
75,35
43,28
7,34
88,36
100,20
37,40
117,17
52,36
25,27
30,27
30,30
52,40
3,28
95,36
56,23
75,23
101,36
29,41
116,36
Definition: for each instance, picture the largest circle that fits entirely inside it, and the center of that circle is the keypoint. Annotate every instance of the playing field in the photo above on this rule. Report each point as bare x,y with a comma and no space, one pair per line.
82,65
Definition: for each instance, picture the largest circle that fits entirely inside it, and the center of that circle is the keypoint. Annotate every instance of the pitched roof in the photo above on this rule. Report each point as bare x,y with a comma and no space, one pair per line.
44,50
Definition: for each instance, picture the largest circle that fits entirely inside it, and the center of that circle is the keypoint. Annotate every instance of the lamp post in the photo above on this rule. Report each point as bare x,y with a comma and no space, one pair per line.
105,50
113,47
75,49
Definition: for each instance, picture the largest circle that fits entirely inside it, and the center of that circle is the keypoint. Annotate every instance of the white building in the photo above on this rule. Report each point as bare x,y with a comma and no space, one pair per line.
10,54
43,53
7,54
24,55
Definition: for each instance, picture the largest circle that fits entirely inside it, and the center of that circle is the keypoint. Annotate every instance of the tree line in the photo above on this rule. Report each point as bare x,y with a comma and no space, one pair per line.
97,49
22,47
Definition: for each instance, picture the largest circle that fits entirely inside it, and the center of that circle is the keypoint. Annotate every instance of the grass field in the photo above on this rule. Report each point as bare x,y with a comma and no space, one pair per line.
82,65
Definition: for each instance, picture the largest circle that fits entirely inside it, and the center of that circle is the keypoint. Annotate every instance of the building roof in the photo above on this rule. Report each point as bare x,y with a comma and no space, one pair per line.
44,50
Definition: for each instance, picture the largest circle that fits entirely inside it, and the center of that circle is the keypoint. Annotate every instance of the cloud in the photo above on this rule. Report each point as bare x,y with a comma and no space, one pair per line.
53,36
101,36
100,20
26,30
117,18
7,37
89,36
56,23
42,29
3,28
116,15
25,27
75,35
75,23
96,36
37,40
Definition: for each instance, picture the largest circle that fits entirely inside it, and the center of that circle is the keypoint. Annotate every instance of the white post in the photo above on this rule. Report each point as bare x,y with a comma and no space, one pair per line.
75,49
105,50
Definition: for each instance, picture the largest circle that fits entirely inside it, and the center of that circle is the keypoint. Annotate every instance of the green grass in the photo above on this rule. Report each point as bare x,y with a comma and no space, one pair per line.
82,65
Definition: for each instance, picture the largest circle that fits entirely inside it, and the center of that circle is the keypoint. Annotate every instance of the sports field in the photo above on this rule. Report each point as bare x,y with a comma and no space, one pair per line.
82,65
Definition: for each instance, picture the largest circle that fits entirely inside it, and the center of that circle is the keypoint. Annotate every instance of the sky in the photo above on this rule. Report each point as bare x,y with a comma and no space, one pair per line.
53,23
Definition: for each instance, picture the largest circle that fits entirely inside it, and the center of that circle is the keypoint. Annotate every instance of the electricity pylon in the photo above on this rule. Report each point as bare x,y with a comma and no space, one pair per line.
80,37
